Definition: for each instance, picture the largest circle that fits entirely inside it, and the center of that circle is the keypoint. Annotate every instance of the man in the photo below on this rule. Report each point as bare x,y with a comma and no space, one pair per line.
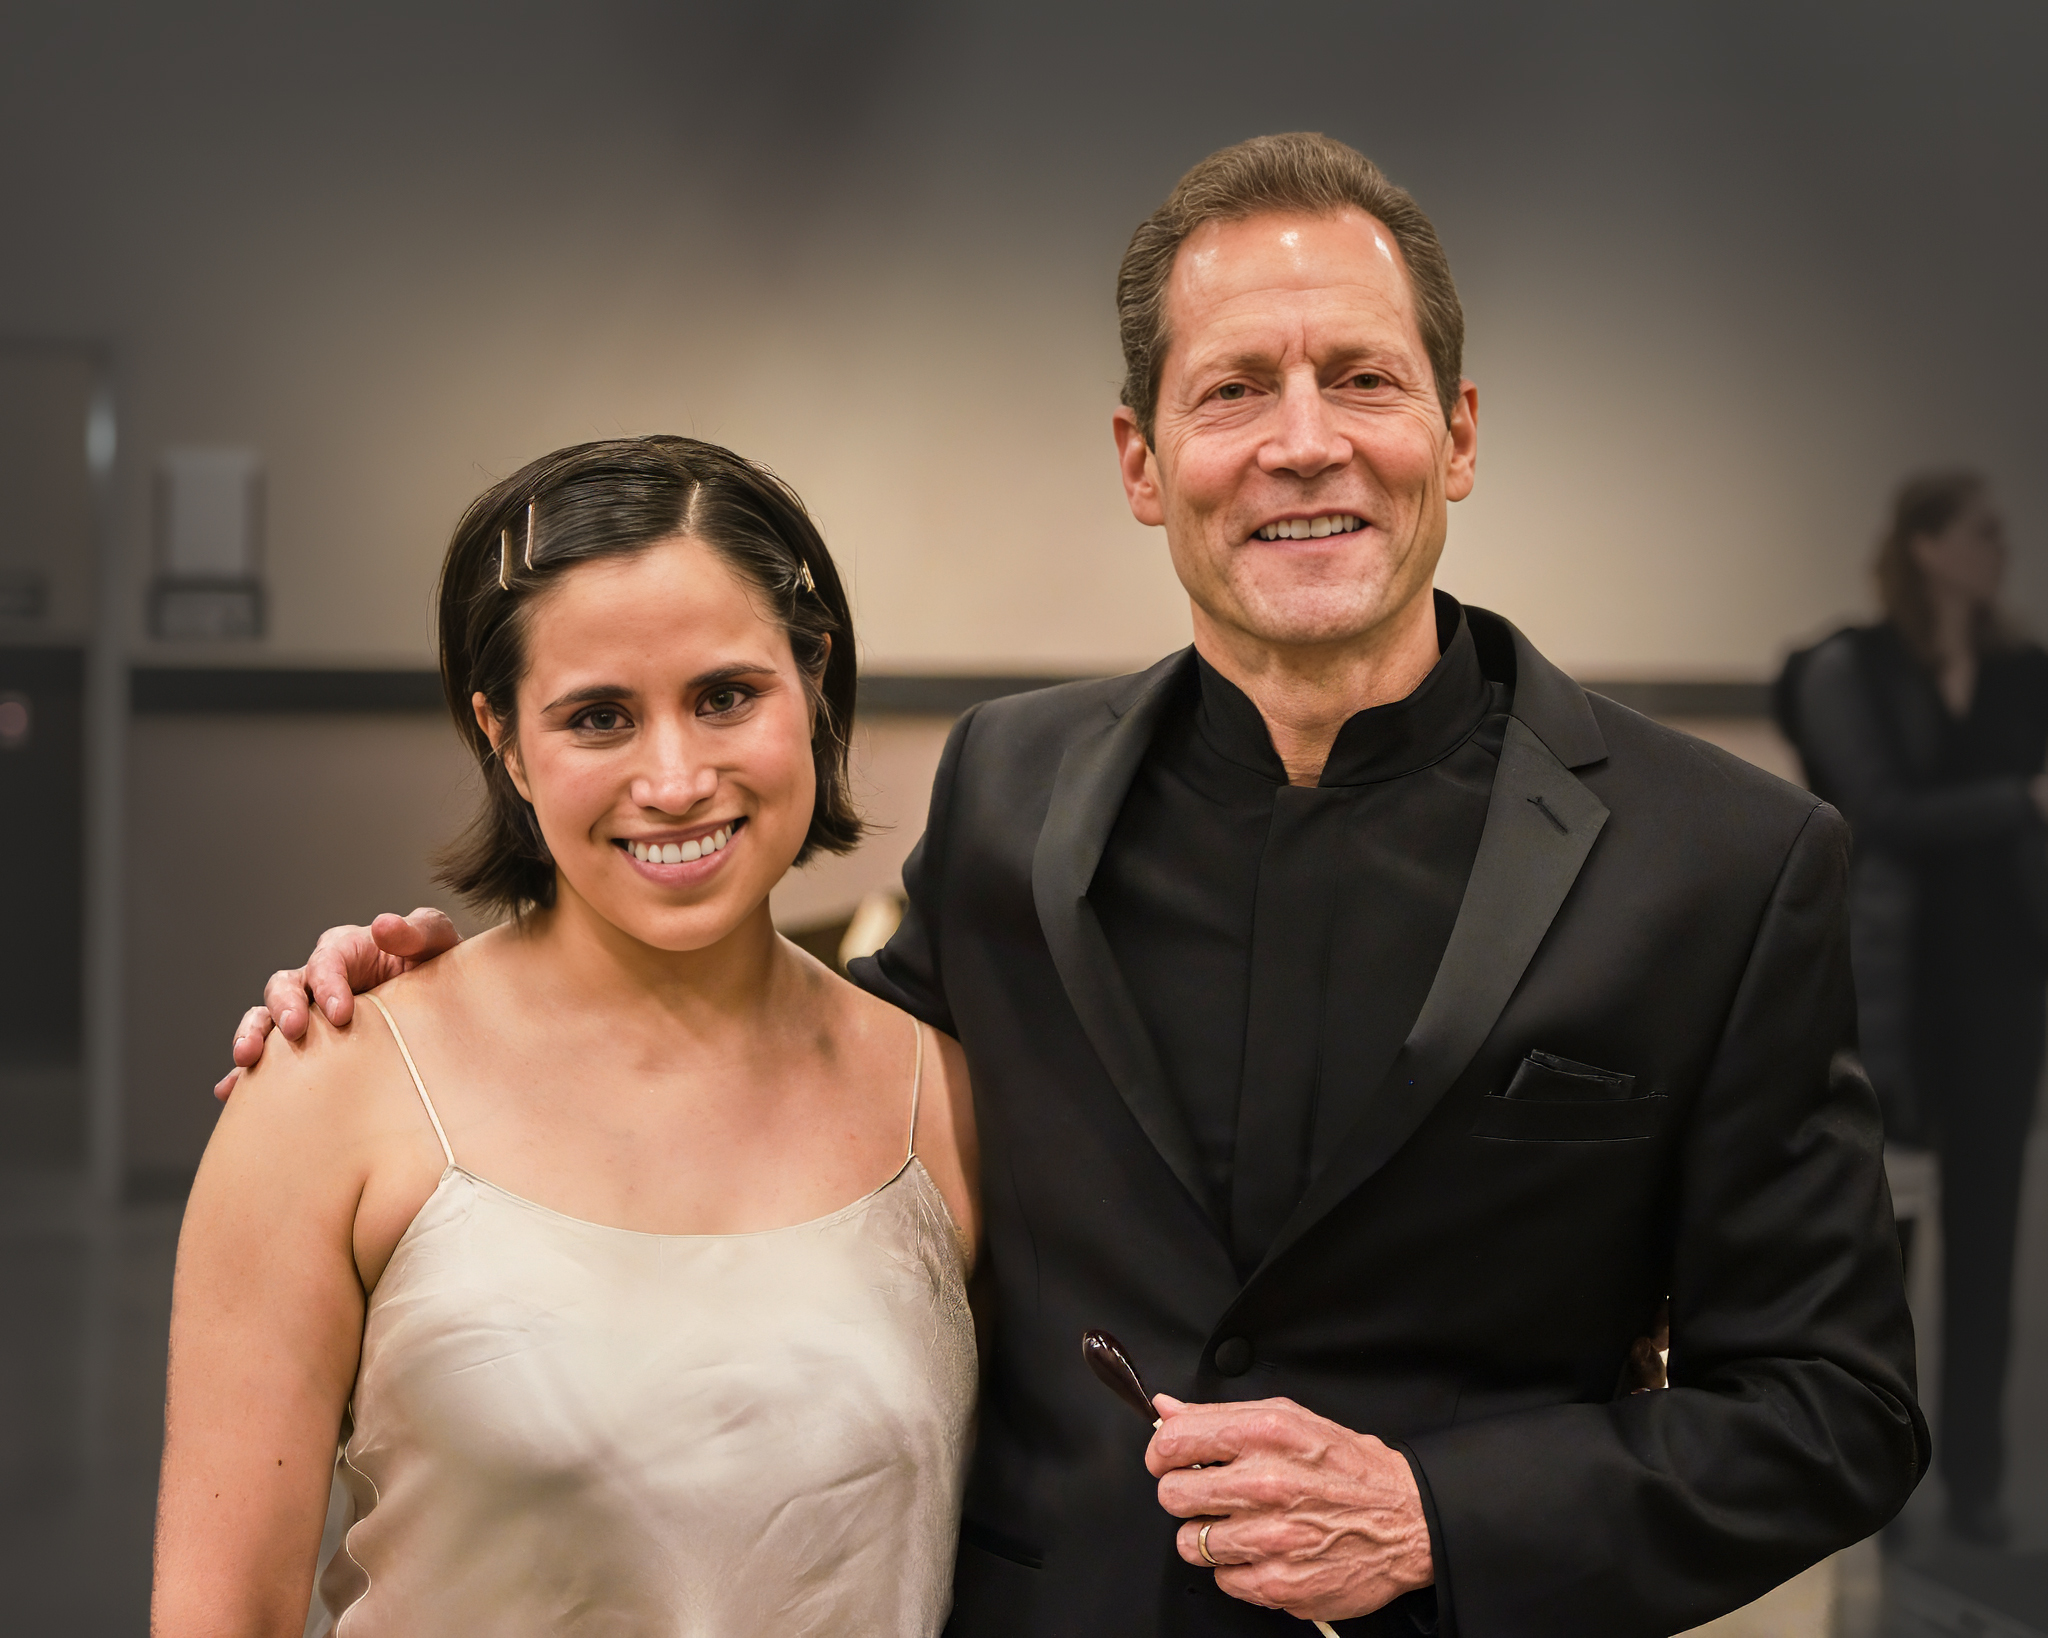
1375,1032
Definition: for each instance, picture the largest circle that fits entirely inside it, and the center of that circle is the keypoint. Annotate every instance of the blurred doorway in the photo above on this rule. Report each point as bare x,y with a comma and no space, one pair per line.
46,618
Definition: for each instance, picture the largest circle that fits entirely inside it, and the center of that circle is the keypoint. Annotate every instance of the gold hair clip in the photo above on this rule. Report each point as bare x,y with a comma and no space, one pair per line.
529,534
504,545
803,573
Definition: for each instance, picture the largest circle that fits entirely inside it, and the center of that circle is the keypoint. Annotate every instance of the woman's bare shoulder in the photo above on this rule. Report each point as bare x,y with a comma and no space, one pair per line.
336,1085
349,1084
945,1139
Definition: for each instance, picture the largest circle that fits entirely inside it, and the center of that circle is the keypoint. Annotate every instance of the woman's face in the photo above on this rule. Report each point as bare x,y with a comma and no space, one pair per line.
664,740
1967,559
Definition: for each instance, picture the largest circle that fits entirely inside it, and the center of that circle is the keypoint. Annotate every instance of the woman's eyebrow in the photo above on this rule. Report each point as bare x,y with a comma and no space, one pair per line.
727,673
591,694
594,692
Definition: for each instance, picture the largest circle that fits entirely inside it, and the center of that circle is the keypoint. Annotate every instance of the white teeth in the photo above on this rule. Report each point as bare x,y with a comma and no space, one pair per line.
1331,523
681,852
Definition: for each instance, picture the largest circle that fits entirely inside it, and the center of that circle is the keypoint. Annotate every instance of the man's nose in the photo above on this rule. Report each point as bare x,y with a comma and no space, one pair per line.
676,775
1305,439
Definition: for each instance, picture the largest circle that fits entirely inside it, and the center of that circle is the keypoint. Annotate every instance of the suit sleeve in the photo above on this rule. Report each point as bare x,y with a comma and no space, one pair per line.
906,970
1790,1428
1851,758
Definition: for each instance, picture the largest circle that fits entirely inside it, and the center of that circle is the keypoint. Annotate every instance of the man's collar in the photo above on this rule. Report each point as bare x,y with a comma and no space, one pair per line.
1378,743
1549,703
1542,697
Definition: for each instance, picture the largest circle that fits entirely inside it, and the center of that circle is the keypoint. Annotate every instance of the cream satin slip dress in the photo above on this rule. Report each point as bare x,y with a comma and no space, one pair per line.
559,1427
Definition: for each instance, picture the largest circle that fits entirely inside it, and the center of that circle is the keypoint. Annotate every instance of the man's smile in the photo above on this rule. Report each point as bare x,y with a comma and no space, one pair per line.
1312,528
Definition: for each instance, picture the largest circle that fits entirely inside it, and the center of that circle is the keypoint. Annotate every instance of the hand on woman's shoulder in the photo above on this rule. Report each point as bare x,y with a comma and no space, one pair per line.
329,1127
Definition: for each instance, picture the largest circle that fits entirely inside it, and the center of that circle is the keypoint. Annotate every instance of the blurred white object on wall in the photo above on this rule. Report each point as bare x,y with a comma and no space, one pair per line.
209,543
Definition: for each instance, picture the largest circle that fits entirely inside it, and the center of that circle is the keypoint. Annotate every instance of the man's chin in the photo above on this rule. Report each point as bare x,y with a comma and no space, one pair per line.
1319,618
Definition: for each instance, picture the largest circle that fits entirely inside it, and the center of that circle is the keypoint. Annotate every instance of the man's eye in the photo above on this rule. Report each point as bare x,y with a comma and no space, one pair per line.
1231,391
1368,380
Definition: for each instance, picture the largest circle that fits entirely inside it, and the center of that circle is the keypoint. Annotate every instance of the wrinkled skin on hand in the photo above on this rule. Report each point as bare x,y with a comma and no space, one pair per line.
345,962
1304,1515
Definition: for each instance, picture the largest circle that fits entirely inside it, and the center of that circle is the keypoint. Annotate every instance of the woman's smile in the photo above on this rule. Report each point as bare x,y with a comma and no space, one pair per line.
680,859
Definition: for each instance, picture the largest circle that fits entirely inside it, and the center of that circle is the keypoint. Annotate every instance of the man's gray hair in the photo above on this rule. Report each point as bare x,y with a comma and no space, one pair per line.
1299,172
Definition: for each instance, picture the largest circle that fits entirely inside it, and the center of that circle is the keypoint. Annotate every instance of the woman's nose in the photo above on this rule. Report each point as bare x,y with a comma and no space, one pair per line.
675,779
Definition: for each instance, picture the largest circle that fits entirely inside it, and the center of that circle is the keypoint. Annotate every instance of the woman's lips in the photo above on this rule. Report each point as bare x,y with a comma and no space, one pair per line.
676,863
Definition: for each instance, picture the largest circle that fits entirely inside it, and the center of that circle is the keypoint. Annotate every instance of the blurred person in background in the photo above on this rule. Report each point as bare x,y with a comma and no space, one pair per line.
697,1357
1929,731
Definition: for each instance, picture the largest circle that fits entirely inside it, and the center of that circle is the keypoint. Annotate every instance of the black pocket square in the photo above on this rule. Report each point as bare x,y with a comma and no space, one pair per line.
1556,1100
1543,1077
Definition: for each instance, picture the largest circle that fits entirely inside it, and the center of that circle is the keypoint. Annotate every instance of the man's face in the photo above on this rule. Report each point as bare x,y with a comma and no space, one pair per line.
1297,398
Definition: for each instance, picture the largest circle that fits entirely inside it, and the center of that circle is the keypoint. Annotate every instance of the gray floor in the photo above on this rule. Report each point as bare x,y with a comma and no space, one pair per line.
86,1296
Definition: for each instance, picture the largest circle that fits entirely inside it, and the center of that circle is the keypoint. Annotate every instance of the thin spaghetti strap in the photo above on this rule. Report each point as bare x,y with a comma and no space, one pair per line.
916,1086
412,1069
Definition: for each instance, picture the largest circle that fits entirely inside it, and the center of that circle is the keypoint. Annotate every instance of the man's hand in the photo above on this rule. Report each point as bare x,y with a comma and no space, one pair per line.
345,961
1304,1516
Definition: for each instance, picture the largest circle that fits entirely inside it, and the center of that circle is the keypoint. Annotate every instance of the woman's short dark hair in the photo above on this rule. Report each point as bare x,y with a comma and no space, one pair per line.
614,499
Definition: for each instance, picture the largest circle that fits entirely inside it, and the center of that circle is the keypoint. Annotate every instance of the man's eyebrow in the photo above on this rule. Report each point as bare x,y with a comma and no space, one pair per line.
1252,358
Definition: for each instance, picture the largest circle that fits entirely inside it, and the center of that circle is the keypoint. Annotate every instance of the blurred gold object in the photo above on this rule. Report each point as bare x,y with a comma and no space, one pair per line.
876,917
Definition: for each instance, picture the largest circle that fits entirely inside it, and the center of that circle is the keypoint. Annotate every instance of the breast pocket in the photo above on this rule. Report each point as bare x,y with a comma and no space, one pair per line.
1555,1100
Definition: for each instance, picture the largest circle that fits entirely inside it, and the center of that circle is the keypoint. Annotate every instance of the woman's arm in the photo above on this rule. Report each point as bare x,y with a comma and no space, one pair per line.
266,1325
1850,755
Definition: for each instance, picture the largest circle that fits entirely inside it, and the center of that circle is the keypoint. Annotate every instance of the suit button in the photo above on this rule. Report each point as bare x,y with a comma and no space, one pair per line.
1233,1356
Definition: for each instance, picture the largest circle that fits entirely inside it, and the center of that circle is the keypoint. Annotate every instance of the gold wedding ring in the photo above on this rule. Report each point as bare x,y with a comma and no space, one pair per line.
1202,1545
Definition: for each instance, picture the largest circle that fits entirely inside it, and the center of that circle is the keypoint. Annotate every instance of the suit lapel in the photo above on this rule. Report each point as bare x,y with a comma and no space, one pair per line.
1094,776
1541,823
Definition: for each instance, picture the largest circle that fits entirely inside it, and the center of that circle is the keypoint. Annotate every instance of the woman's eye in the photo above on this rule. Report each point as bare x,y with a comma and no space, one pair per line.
602,719
719,701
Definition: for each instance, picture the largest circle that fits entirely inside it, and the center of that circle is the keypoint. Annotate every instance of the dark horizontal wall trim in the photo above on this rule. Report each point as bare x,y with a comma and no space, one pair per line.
192,691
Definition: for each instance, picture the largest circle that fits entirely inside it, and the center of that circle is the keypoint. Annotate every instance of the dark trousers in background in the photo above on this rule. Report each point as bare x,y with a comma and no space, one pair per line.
1980,1032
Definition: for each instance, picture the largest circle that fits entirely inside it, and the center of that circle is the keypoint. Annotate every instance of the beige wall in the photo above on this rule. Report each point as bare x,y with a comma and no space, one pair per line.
400,250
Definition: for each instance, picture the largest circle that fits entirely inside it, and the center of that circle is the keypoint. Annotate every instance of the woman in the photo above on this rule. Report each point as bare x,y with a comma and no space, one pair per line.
1929,732
624,1248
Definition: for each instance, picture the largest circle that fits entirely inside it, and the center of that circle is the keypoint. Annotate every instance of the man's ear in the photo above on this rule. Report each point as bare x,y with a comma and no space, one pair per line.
504,743
1138,467
1461,460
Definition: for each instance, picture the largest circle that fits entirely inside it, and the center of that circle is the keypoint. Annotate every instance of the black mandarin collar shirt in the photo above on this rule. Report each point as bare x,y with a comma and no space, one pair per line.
1278,940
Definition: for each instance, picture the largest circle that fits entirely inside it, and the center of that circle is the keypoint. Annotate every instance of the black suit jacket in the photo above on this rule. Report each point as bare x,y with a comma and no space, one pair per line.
1467,1270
